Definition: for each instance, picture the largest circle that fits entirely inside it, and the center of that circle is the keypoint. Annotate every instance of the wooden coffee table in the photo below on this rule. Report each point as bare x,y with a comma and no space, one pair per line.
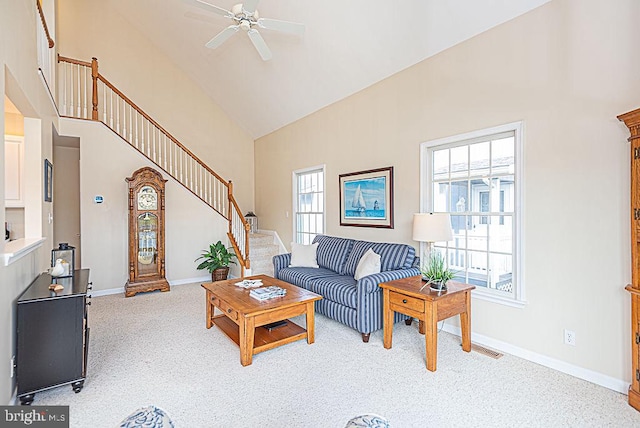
248,321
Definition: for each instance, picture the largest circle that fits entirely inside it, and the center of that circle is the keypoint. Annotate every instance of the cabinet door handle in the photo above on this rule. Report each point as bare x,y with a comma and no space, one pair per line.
88,303
404,300
229,311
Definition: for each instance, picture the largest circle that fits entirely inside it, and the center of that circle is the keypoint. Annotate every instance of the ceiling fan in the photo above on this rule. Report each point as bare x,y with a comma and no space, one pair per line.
246,17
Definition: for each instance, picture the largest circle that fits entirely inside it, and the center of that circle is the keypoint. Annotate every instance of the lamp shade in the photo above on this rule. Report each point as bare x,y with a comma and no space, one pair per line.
432,227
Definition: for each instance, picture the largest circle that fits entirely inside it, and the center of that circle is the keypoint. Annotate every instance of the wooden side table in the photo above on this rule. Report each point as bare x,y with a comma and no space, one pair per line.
429,307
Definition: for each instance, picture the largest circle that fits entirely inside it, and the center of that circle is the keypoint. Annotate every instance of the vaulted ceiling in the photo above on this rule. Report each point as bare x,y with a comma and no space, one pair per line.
347,46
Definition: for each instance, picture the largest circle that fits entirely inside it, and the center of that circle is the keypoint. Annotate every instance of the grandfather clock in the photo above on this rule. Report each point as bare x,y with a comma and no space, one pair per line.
632,120
146,232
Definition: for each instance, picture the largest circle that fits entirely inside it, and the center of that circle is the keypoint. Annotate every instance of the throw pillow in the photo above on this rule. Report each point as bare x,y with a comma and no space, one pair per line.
368,265
303,255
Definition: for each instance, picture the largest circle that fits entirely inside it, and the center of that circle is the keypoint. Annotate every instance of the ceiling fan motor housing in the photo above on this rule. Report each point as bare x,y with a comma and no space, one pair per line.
238,12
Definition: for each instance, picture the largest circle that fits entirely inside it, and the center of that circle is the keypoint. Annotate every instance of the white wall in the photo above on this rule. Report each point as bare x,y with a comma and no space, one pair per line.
567,69
19,80
105,162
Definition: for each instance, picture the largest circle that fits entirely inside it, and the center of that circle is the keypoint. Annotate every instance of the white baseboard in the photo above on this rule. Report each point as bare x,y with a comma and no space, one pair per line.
618,385
173,282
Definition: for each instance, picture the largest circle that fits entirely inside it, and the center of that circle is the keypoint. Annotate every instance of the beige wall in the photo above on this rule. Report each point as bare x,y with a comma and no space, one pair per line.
66,191
13,124
90,28
105,162
20,82
566,69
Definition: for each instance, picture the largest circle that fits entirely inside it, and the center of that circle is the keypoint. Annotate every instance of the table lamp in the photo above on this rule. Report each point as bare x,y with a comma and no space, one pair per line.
430,228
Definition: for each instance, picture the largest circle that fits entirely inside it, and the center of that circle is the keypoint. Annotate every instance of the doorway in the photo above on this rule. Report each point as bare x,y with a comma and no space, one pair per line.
66,191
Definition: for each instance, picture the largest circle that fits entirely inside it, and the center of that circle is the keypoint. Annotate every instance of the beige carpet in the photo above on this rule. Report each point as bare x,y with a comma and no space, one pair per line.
154,349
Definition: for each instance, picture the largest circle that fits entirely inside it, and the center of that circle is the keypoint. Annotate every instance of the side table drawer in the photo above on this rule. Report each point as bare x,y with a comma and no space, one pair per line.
404,301
225,307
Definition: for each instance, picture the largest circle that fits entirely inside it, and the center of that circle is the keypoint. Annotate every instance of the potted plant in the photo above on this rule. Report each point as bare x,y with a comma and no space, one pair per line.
436,273
216,261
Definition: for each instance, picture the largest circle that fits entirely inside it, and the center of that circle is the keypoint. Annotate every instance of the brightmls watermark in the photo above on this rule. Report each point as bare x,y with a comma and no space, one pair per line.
34,416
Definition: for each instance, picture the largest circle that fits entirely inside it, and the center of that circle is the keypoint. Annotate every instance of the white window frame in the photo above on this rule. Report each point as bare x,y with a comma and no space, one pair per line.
294,198
519,299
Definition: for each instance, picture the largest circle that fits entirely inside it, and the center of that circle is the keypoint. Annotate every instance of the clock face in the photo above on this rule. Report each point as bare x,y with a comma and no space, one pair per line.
147,199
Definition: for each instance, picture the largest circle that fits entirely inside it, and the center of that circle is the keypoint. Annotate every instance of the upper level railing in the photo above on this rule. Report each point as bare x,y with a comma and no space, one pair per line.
83,93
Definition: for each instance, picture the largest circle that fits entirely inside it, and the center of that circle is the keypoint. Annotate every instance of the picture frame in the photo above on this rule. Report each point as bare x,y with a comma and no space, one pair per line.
48,181
366,198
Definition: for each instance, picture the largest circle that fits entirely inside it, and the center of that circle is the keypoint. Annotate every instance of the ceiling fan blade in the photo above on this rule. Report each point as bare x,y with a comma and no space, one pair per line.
260,45
249,6
222,36
208,7
284,26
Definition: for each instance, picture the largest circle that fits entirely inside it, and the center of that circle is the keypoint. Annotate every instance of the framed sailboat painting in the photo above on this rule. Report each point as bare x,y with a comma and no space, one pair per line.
366,198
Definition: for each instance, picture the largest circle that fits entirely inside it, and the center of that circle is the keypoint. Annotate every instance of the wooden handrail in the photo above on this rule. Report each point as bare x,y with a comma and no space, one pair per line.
73,61
164,131
44,24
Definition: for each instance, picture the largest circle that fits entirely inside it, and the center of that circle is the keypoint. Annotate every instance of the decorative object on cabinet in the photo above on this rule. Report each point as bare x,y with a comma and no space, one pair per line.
216,261
48,181
62,318
63,260
366,198
632,120
146,232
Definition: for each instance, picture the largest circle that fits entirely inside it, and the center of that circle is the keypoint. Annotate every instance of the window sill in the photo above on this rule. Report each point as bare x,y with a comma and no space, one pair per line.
491,297
15,250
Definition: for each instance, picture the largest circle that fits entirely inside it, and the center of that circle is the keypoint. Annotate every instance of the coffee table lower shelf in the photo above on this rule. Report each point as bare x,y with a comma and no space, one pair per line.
264,338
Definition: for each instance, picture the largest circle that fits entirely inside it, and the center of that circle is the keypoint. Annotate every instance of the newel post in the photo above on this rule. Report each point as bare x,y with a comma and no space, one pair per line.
94,77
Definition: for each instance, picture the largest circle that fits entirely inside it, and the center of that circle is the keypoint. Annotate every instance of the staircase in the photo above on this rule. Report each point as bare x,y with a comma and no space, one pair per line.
83,93
262,251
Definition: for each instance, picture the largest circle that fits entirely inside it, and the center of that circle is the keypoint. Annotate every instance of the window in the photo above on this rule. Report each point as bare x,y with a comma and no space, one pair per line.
476,178
308,204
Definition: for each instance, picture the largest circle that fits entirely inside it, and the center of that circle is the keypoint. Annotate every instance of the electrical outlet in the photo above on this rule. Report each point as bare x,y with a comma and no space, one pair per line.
569,337
13,365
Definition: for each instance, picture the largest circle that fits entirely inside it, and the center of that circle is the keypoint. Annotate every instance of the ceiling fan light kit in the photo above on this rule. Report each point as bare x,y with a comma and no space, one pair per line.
247,18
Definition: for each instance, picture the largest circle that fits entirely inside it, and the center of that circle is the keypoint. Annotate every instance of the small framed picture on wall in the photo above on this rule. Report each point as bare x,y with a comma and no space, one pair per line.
48,181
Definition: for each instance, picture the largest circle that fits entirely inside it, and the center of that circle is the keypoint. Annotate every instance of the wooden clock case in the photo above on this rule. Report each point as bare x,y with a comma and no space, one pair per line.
146,232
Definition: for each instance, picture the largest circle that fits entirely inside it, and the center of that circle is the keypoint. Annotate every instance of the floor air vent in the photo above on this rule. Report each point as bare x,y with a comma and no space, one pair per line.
485,351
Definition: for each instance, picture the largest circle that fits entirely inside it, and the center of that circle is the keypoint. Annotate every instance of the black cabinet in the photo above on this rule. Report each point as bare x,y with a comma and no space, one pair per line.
52,335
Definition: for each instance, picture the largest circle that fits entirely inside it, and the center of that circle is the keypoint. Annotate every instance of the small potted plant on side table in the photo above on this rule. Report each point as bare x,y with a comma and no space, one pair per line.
436,273
216,261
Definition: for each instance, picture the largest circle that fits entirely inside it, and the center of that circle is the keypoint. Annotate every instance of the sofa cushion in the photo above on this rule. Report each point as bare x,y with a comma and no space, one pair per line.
333,252
303,255
368,265
392,256
340,289
302,276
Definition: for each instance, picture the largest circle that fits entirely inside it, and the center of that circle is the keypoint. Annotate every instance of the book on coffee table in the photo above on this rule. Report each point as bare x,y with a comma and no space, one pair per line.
264,293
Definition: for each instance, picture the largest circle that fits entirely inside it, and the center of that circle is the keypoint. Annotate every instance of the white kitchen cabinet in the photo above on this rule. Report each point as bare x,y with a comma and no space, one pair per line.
13,171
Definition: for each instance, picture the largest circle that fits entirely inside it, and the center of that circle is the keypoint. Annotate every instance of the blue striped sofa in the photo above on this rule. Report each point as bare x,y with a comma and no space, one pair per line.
357,304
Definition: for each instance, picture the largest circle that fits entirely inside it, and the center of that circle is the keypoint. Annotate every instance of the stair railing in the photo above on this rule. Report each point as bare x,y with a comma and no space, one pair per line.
85,94
44,45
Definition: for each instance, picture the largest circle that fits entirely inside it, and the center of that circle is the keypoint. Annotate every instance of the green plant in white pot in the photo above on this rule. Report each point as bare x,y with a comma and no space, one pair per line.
435,272
216,261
